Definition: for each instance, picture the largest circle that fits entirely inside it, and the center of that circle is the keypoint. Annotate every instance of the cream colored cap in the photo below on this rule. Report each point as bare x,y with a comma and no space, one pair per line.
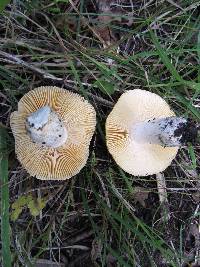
133,107
79,118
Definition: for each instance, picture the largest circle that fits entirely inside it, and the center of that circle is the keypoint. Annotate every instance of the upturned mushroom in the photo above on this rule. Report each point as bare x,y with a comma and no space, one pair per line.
53,129
143,134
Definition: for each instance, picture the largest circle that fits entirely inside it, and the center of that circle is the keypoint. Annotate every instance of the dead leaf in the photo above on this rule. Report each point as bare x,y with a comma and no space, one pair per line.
193,240
66,21
193,231
140,194
105,34
196,196
109,14
110,260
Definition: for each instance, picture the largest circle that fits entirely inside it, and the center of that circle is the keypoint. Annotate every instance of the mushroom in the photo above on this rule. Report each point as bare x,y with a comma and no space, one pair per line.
53,129
143,134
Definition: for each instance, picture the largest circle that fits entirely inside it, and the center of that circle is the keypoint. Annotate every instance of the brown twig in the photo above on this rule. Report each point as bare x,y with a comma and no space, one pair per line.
15,60
162,193
12,59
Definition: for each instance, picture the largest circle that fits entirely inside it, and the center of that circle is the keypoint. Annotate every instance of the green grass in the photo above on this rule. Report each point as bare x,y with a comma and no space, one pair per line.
3,4
94,218
5,226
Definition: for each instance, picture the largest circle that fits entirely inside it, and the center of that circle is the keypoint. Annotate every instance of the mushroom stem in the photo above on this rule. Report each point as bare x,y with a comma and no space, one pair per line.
46,128
170,131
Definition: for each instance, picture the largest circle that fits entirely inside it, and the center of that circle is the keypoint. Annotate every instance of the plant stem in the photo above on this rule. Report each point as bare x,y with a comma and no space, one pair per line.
5,227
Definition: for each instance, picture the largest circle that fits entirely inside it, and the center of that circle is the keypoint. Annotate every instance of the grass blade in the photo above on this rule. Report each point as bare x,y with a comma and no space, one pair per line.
5,227
3,3
164,57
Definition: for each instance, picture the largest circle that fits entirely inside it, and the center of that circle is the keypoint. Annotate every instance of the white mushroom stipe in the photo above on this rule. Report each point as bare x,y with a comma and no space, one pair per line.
46,128
40,117
168,131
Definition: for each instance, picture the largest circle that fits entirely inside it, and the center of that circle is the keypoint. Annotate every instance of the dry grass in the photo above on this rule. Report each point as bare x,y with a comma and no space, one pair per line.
96,218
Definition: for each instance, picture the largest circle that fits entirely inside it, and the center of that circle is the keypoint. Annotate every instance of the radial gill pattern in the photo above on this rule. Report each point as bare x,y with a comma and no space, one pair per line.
79,118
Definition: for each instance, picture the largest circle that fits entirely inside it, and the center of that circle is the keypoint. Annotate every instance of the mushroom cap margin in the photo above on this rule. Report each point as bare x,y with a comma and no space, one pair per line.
137,159
79,118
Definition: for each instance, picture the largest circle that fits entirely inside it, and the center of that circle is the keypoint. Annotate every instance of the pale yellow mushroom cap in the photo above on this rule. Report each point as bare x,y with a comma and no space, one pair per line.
79,118
133,107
